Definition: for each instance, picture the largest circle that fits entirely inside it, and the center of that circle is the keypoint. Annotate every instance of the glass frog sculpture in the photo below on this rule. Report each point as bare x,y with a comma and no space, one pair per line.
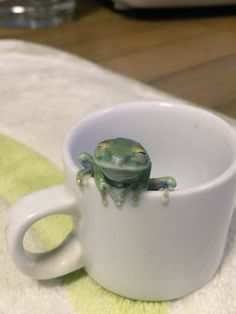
123,164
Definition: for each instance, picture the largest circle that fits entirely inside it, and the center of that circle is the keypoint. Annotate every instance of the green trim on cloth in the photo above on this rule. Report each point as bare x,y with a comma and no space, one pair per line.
23,171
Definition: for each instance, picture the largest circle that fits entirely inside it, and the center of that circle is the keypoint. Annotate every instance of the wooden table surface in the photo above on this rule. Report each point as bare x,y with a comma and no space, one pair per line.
191,54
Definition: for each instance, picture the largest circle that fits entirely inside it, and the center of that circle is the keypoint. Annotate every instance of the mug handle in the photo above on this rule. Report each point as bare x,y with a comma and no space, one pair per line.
66,257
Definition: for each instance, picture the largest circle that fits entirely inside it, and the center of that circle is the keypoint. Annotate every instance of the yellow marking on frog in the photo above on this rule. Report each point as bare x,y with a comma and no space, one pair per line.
104,144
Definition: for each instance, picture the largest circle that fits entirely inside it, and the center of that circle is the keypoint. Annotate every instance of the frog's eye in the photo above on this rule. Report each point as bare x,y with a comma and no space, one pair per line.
140,157
101,149
103,145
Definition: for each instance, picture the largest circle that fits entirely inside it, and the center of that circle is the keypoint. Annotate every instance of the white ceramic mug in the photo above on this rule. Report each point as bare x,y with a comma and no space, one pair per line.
152,251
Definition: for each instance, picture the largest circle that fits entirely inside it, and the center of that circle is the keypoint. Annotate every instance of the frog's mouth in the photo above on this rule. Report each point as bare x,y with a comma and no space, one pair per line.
129,168
119,175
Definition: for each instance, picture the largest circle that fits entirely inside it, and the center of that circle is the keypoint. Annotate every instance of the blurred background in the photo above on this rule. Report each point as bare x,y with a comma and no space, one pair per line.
189,52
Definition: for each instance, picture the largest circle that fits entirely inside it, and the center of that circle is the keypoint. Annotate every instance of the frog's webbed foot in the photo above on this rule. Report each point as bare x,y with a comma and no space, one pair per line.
105,189
135,198
136,194
165,184
165,197
120,198
82,177
117,199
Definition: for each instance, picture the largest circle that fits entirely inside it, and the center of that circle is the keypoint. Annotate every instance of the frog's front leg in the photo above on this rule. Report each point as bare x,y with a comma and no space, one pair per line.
162,183
103,185
136,194
120,198
86,161
81,177
165,184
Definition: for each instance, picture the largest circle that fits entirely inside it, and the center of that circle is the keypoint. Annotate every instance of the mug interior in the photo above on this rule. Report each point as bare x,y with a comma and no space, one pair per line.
187,143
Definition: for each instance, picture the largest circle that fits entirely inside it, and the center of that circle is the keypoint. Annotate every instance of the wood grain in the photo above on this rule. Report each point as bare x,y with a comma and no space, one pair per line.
197,84
189,53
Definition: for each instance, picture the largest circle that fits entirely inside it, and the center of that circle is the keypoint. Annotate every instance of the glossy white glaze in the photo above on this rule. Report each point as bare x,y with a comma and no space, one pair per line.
153,251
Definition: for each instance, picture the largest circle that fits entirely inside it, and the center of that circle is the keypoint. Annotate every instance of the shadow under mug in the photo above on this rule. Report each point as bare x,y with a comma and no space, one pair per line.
152,251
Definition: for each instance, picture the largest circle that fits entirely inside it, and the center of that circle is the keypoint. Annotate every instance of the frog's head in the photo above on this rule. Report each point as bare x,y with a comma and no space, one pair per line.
121,159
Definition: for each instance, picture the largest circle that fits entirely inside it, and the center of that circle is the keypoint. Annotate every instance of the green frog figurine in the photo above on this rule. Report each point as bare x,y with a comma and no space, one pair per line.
123,164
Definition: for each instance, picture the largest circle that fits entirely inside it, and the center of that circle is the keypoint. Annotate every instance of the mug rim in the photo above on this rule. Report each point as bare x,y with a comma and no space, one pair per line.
225,175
